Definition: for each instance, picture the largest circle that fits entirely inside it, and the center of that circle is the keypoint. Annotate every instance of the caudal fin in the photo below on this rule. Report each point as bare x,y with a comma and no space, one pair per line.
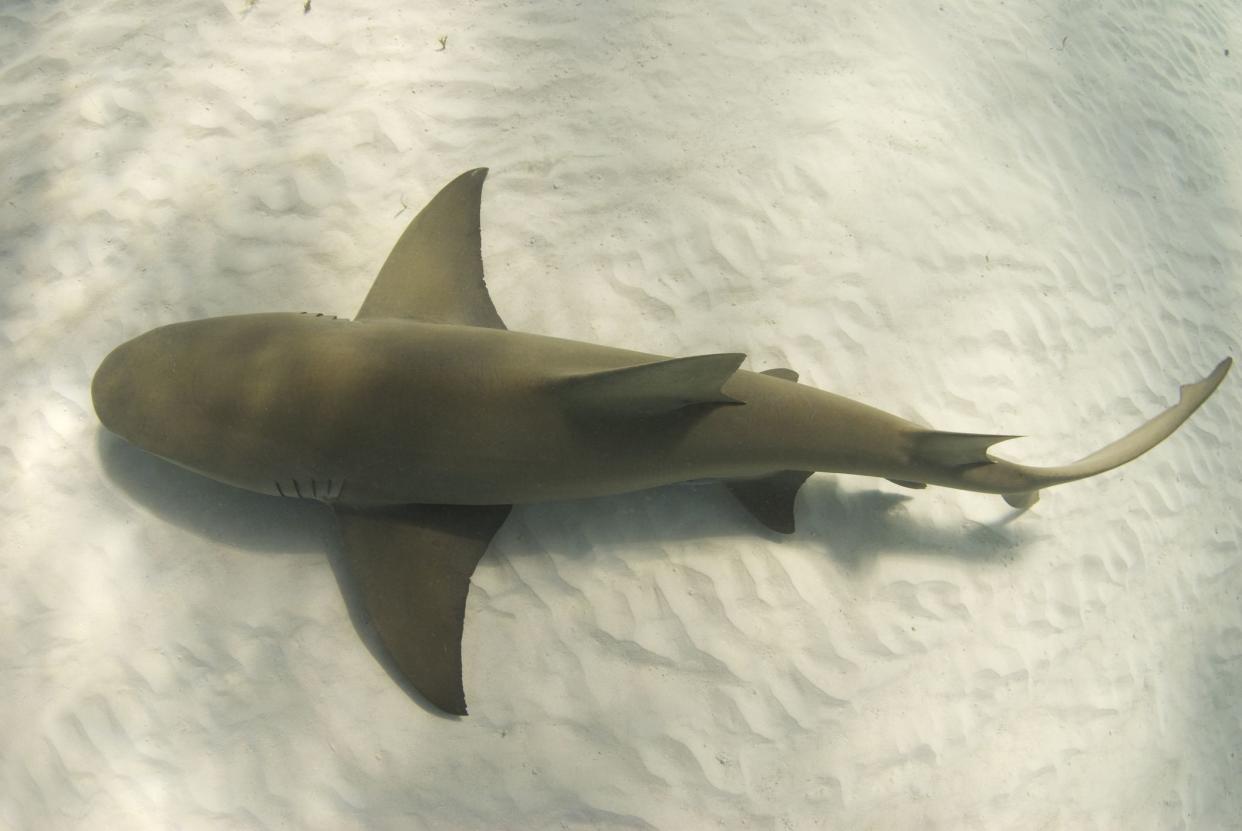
1124,449
964,460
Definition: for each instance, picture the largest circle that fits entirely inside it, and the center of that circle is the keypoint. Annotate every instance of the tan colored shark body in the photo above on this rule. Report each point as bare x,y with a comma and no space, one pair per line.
424,419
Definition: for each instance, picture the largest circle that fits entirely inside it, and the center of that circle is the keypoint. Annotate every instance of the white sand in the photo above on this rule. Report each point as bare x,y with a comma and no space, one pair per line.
994,217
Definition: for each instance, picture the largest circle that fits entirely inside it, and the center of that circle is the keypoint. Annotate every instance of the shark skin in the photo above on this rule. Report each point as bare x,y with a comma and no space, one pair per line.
423,420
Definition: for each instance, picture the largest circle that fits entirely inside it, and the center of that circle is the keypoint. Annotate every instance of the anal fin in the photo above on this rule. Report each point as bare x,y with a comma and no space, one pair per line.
412,566
770,499
1023,500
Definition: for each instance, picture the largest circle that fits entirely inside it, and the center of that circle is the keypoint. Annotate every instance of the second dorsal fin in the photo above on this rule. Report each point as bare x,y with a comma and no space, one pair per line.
654,388
782,373
954,449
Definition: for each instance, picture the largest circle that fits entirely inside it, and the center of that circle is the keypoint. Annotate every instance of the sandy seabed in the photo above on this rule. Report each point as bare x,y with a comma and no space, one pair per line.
988,217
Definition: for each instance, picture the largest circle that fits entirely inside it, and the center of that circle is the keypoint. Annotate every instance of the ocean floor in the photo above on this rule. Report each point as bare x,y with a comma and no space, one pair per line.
1021,218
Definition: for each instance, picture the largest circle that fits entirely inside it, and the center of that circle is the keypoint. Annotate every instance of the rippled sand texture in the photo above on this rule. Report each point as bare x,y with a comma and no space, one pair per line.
990,217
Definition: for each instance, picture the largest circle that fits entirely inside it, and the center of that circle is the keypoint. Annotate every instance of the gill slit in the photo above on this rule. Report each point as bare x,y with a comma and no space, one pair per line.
314,489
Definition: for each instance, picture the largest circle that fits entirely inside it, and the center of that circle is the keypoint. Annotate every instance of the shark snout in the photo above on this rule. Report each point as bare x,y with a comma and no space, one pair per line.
132,386
112,387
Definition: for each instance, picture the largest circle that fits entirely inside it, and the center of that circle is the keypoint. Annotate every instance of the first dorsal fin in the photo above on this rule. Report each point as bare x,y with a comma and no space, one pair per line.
654,388
435,271
770,499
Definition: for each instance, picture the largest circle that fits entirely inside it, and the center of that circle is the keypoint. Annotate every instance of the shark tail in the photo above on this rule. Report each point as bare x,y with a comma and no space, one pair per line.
1125,449
975,468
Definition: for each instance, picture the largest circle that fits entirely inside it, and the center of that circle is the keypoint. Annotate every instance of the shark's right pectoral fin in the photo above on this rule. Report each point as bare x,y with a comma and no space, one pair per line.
412,564
435,271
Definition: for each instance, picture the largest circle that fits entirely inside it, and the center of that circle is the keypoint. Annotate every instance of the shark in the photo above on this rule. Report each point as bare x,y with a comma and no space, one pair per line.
423,420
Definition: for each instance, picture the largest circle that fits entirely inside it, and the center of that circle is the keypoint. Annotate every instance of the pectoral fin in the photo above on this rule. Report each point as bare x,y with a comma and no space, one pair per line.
771,498
651,389
412,566
435,271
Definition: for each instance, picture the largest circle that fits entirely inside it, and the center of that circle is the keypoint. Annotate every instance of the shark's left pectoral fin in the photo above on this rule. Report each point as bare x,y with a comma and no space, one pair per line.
412,566
435,271
653,388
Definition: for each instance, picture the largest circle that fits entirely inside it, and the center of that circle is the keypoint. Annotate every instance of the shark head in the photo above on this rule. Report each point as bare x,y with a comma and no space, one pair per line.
258,401
186,391
137,389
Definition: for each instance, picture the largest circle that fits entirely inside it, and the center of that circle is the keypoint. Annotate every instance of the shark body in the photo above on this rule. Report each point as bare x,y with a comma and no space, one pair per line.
424,419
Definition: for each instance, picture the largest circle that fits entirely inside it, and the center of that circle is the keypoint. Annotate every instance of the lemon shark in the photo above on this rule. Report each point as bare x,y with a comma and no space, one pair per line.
423,420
